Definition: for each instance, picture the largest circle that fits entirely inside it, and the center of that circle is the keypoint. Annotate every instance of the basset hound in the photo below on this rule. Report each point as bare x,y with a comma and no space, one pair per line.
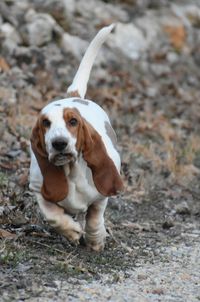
75,165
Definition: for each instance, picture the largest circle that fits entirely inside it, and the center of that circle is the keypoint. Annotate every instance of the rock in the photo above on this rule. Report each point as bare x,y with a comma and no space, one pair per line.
8,47
100,11
160,69
1,20
8,31
8,95
7,13
129,40
189,14
183,208
73,45
62,10
150,27
168,223
13,153
172,57
39,28
151,92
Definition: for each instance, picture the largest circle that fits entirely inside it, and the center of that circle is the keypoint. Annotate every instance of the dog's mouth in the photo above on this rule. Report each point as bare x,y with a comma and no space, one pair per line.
62,159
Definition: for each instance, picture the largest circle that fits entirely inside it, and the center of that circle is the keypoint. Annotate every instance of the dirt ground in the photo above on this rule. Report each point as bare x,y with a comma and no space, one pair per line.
153,245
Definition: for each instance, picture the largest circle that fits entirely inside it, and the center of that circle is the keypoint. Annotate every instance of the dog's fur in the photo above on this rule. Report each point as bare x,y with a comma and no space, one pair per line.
75,165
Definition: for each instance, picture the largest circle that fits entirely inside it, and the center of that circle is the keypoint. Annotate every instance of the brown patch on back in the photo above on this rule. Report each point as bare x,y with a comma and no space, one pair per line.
81,102
73,94
111,134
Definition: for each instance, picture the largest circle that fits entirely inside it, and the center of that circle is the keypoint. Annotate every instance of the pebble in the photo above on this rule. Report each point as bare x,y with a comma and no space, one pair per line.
183,208
131,36
73,45
39,28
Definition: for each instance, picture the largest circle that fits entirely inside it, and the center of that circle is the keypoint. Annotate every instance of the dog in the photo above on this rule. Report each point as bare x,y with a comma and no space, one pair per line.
75,165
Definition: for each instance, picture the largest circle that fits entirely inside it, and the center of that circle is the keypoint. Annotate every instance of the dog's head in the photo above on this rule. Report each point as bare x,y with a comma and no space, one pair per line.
60,135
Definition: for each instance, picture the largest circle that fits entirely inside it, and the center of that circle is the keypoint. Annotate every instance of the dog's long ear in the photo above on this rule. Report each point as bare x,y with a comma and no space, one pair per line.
55,187
105,175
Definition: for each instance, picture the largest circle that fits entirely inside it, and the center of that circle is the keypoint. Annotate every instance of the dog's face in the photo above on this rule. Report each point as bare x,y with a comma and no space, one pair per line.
59,136
61,129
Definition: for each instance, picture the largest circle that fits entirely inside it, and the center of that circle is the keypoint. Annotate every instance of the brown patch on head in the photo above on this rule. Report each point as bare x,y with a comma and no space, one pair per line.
111,134
73,94
55,187
73,120
84,102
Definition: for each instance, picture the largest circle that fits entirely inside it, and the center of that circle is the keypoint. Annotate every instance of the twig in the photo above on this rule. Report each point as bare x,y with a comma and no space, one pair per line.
48,246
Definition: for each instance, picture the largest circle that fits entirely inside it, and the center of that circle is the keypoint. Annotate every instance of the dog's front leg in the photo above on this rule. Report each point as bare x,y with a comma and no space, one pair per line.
58,219
94,228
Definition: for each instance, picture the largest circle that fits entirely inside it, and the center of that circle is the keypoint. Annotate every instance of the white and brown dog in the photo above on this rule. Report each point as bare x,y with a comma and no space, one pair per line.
75,165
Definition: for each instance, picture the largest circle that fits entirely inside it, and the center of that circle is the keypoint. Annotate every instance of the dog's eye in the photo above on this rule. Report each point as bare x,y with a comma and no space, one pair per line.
73,122
46,123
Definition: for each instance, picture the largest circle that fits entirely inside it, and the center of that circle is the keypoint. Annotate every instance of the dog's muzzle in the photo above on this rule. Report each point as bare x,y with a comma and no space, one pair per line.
61,159
61,153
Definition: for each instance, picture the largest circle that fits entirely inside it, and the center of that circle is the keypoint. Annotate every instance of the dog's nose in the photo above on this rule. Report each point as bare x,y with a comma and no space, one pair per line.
59,144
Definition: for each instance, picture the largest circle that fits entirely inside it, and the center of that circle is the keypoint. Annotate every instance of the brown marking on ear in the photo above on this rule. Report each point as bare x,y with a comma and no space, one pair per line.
84,102
73,94
111,134
55,187
105,175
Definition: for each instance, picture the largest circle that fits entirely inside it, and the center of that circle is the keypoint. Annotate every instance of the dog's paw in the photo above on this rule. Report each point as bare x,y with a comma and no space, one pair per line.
96,241
95,246
72,232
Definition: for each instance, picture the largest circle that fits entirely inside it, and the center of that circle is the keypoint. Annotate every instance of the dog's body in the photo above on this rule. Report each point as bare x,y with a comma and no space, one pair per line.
74,161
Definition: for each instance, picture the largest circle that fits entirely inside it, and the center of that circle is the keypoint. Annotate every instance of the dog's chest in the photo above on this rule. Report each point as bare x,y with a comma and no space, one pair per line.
81,189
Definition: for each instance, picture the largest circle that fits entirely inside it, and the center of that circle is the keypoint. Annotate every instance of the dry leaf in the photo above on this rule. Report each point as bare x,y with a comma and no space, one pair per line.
6,234
177,35
4,65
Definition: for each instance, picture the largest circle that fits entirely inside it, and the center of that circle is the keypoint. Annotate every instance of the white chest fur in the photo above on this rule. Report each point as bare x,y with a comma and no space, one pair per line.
82,191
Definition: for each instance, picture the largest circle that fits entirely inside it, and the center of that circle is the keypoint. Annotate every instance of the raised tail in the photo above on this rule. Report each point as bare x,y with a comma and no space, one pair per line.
79,85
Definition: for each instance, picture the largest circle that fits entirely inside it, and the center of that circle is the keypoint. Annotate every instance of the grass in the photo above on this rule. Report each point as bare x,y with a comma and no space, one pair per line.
3,180
11,253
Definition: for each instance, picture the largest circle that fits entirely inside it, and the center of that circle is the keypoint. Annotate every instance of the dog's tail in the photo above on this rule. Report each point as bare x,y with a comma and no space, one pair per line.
79,85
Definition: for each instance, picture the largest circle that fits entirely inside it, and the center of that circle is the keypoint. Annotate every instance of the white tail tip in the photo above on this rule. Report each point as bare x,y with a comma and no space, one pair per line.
79,84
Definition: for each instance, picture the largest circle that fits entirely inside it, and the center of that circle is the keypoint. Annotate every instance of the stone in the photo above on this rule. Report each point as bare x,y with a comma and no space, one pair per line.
100,11
129,40
150,27
160,69
172,57
73,45
8,95
61,10
39,28
189,14
8,47
151,92
168,223
9,32
183,208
